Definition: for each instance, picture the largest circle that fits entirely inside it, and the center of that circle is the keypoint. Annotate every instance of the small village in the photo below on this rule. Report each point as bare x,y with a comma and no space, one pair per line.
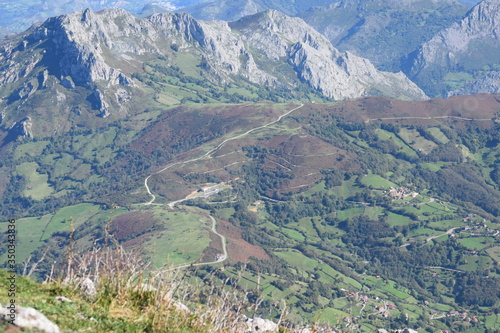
385,309
401,193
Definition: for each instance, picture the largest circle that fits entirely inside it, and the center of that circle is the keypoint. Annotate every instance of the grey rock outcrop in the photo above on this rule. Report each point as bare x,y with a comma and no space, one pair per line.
68,83
22,128
29,318
63,299
97,53
260,325
99,103
88,287
490,83
27,90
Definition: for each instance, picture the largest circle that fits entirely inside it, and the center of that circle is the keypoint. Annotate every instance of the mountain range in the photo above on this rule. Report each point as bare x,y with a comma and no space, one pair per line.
98,54
394,36
383,32
463,58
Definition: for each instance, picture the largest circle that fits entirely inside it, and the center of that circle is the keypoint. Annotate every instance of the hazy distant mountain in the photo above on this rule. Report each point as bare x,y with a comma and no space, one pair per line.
383,31
16,16
232,10
457,57
470,2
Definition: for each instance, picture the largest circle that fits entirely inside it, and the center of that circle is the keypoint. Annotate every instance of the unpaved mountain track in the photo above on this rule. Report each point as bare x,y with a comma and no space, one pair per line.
429,117
153,197
214,221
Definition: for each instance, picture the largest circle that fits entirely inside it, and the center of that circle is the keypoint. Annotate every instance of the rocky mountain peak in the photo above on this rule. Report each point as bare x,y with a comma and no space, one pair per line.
465,47
337,75
96,53
485,15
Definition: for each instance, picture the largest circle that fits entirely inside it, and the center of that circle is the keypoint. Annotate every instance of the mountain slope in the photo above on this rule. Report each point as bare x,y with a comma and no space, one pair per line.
98,54
336,74
466,51
383,31
311,190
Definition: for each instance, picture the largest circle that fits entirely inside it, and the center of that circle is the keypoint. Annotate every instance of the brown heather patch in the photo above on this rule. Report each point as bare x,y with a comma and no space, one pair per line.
132,224
137,242
184,124
480,106
239,250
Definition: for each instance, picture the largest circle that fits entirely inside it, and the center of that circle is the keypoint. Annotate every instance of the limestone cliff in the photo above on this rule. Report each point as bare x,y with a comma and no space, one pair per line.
88,59
338,75
470,48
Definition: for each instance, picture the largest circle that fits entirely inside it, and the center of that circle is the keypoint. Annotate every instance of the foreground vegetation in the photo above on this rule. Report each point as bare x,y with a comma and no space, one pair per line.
129,297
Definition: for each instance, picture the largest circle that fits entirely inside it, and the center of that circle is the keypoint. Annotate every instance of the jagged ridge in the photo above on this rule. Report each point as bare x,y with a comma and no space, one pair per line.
465,47
99,52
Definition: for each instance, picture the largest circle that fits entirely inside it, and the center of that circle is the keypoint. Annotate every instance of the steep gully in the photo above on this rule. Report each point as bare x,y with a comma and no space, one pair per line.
224,256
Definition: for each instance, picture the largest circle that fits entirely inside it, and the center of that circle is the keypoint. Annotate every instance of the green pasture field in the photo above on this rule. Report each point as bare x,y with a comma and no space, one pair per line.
350,213
31,149
438,135
476,262
29,231
225,213
424,233
33,231
376,181
494,253
476,243
373,212
62,218
319,187
432,166
457,80
493,321
390,288
330,316
445,224
185,237
327,272
440,307
88,144
63,165
37,185
298,260
347,189
414,311
82,172
385,135
396,219
167,99
306,224
416,141
294,234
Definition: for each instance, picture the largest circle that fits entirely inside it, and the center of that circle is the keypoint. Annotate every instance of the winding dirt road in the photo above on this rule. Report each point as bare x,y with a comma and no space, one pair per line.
224,256
449,232
153,197
429,117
